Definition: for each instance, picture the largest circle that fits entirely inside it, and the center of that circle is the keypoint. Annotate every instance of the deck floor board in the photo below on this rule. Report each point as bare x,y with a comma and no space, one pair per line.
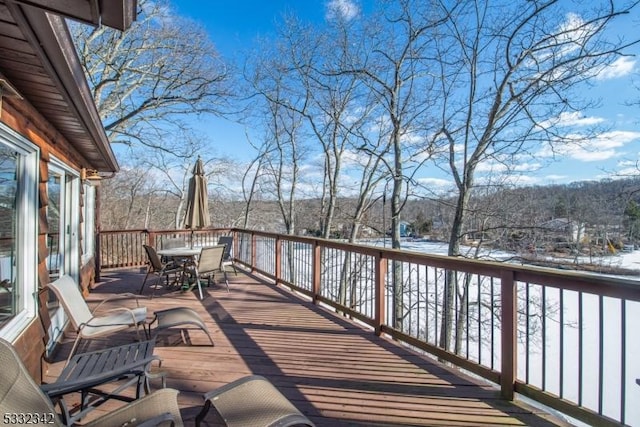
333,370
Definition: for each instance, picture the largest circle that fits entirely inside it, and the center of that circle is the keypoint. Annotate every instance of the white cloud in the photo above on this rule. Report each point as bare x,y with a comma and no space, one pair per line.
436,182
341,9
556,178
603,147
571,36
573,118
516,166
621,67
576,118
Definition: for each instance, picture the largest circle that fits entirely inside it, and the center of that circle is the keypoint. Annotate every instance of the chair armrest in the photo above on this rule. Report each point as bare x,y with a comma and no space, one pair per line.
119,297
124,309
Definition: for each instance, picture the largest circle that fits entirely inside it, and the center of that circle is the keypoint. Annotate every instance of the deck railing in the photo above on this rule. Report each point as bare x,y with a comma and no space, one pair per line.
124,248
561,338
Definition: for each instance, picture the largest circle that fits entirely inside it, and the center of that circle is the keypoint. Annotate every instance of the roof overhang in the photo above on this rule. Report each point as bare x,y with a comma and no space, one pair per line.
40,62
115,14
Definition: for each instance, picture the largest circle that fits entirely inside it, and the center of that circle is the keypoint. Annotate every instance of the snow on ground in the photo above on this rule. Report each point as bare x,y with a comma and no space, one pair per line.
585,348
627,260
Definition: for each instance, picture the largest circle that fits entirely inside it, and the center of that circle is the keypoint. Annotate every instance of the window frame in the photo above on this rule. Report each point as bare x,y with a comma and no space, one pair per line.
27,201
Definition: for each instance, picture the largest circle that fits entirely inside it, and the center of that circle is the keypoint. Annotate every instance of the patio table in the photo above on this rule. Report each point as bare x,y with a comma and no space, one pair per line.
86,371
191,254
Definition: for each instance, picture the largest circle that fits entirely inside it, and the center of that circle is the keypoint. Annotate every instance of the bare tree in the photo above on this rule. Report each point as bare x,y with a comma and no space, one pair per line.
393,69
147,79
399,83
507,72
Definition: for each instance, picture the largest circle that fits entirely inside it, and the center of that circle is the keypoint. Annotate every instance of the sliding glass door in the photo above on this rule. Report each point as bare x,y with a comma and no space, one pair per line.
63,219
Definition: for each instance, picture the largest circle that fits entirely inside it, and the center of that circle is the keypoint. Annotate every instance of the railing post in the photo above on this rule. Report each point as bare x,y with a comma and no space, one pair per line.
151,238
509,324
98,257
379,303
278,260
317,251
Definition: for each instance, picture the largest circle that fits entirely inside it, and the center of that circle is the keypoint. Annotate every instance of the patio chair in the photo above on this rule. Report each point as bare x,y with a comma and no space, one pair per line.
252,401
227,259
211,262
88,325
182,318
159,268
23,402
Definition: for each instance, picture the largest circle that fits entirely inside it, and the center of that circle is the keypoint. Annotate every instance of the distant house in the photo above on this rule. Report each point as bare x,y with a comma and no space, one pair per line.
563,229
406,229
51,143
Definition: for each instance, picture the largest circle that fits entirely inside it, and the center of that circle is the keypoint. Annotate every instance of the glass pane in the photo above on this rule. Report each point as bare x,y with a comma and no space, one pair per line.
8,217
53,218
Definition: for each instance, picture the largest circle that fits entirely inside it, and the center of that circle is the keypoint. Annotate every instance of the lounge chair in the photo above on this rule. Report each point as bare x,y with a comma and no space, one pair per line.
22,402
249,401
88,325
211,262
227,259
252,401
182,318
159,268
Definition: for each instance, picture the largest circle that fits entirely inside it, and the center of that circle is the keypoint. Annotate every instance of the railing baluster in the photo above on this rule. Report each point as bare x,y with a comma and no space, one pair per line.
380,279
436,304
561,356
623,360
479,316
493,326
527,330
600,352
544,338
317,264
277,261
467,315
580,347
426,293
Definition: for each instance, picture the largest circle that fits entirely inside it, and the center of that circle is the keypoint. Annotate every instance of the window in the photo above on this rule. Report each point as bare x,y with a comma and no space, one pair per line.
18,232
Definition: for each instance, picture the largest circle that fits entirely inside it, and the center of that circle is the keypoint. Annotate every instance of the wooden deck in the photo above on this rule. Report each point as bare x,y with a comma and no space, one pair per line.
333,370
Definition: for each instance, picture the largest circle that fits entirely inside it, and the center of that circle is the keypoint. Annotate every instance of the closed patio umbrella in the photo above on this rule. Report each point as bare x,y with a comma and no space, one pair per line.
197,213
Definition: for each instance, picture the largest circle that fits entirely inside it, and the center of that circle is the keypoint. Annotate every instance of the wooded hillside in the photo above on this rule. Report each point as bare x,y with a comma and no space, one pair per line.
594,214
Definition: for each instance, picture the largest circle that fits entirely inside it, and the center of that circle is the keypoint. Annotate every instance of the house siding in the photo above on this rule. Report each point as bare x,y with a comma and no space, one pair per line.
25,120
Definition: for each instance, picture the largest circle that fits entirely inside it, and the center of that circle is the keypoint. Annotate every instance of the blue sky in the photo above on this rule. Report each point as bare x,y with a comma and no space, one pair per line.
233,26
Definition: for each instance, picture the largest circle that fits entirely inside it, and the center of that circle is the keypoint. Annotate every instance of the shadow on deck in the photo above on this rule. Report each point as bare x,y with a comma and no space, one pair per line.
333,370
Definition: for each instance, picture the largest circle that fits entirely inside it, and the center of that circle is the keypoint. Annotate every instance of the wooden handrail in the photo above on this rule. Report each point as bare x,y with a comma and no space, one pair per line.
500,306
